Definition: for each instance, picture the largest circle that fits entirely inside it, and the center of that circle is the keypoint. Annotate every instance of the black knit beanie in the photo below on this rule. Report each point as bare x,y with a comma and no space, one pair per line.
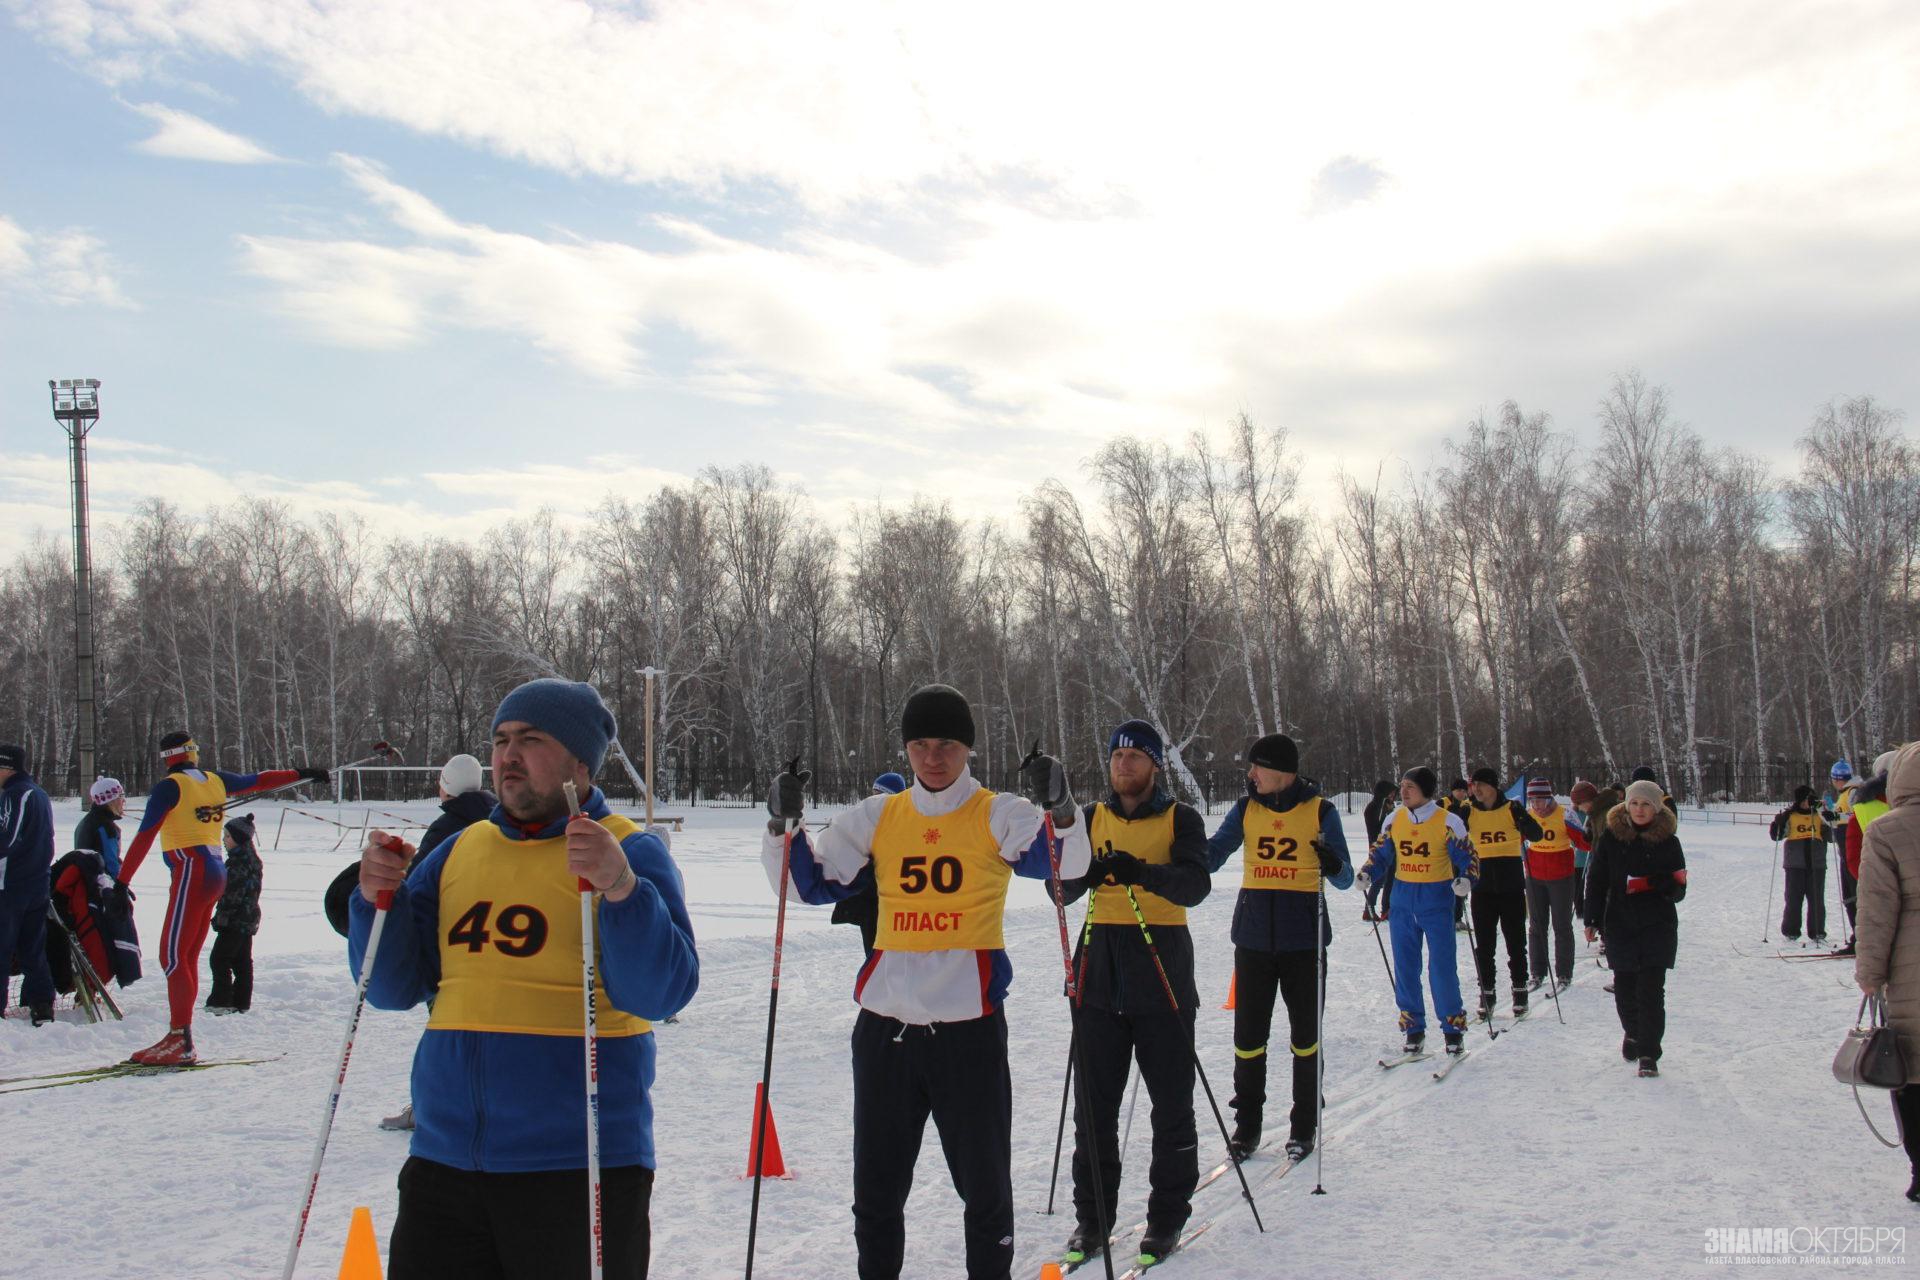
1424,778
1275,751
937,711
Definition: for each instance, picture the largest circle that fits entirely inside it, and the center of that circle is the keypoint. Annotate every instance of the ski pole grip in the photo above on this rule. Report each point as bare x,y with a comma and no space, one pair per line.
383,900
586,885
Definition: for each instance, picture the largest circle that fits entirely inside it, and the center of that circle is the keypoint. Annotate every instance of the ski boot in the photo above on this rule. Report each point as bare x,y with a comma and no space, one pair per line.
1913,1189
42,1014
1084,1243
1456,1043
1486,1003
1299,1149
400,1122
1519,1002
1628,1052
1416,1042
1648,1068
174,1049
1534,984
1156,1244
1246,1137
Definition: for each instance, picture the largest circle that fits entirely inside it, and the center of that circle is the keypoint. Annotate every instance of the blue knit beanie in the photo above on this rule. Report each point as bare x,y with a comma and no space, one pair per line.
1141,736
569,710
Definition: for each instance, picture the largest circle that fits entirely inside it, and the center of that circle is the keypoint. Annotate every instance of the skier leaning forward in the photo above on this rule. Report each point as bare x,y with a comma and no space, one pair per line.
1426,849
931,1038
1293,842
1150,857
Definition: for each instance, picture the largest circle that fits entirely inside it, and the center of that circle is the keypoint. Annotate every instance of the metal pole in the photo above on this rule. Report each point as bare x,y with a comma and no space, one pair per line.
649,673
76,407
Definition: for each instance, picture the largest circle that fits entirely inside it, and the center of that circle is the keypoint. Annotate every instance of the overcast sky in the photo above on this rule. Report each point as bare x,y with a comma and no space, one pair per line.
442,262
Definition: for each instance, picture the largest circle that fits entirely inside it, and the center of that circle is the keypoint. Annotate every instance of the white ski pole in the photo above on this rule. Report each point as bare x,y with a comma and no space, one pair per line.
1766,925
594,1241
393,844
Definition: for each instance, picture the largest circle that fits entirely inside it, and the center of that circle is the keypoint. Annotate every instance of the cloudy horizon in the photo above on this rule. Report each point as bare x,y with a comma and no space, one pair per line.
360,257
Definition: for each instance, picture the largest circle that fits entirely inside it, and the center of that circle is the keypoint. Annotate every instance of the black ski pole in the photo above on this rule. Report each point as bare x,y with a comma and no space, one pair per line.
1199,1070
380,752
1320,1042
763,1104
1060,1134
1073,1038
1384,890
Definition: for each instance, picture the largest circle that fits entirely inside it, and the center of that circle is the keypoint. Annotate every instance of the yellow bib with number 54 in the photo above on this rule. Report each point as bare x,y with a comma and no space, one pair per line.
510,939
942,881
1278,852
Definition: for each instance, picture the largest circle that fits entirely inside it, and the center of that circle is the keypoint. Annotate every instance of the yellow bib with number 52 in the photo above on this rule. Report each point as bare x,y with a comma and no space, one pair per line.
510,939
942,881
1278,852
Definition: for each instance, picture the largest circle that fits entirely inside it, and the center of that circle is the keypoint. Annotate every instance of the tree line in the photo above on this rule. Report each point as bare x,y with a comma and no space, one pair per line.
1523,602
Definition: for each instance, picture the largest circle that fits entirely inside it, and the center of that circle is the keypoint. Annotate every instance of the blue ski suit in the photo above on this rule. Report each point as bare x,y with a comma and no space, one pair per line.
1423,908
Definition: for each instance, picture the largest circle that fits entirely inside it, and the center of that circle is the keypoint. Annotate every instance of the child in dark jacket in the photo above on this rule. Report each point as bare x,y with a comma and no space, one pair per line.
235,920
1802,835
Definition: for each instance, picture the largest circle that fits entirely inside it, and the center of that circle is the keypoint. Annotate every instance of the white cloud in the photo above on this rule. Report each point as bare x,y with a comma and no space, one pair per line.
183,136
67,268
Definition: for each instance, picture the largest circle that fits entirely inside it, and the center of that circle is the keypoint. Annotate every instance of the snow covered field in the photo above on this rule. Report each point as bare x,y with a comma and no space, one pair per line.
1543,1154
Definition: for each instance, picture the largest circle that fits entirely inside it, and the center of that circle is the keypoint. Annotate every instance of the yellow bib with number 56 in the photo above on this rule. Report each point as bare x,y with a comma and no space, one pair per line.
510,939
1278,851
1492,832
942,881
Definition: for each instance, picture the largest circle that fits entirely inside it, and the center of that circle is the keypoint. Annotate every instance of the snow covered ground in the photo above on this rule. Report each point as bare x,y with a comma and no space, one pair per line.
1543,1154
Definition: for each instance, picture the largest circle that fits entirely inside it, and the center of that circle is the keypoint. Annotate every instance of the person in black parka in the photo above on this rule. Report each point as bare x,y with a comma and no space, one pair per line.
236,918
1375,815
1635,876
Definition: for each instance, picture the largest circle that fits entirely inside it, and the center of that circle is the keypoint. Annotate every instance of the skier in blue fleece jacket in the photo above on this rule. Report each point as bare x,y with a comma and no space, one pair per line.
488,927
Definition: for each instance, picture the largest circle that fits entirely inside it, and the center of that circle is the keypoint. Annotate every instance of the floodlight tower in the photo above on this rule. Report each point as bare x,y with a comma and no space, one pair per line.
76,407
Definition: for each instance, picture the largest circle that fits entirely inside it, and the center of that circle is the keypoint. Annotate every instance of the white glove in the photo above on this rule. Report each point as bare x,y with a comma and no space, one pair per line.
1364,880
1462,886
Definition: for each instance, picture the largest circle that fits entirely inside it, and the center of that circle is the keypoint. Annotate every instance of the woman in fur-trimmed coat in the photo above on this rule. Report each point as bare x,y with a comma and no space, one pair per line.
1635,875
1888,934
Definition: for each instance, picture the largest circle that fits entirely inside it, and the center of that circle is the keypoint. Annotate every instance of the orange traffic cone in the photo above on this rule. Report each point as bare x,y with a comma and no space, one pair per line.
1050,1271
772,1164
1233,981
361,1261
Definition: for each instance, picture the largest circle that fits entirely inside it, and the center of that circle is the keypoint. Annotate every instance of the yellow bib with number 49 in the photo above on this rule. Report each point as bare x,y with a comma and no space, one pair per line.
510,939
1277,850
942,881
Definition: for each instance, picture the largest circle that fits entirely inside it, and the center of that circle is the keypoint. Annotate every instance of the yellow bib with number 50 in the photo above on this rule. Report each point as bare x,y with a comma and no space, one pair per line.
510,939
1278,851
942,881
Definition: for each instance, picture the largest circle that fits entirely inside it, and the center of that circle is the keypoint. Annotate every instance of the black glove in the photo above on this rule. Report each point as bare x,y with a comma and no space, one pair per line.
312,775
1044,779
1330,859
118,900
1121,867
787,800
